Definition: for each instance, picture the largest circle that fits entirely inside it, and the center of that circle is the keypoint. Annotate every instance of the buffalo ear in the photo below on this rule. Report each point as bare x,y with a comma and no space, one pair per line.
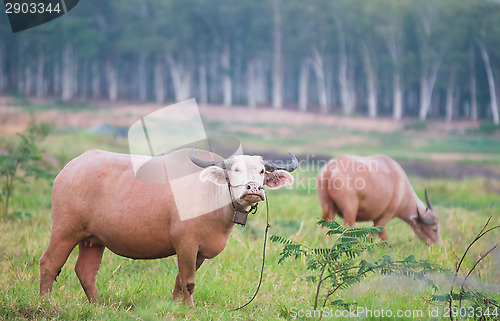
278,179
213,174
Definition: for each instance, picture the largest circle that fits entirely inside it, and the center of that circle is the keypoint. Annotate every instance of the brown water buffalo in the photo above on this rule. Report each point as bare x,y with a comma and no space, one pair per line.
374,189
98,202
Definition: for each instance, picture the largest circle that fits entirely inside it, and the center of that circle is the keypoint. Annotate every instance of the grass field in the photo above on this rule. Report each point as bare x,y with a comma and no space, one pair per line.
141,290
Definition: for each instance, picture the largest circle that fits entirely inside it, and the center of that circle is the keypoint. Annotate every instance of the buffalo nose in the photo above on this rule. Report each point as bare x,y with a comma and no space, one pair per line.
254,187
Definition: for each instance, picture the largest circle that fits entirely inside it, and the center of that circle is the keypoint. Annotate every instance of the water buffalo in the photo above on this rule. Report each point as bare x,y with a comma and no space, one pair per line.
98,202
374,189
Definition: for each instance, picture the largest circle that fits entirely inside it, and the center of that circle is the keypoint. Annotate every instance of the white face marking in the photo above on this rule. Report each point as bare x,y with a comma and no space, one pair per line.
246,176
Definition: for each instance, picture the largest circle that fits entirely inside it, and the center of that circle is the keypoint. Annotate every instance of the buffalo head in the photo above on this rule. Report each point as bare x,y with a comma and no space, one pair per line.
426,224
246,175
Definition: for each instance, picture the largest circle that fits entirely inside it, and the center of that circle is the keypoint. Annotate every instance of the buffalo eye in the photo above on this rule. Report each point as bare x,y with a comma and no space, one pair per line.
262,172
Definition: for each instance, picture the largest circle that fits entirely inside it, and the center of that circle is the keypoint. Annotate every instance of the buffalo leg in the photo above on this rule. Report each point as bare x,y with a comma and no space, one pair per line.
349,209
382,222
186,279
86,268
52,261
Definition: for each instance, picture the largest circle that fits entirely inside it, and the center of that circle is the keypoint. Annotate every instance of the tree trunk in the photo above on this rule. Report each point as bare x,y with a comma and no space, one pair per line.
202,79
397,100
370,81
277,56
320,76
345,98
39,83
351,87
27,79
449,95
3,71
237,80
491,83
473,86
112,80
213,77
20,70
330,82
84,92
427,82
225,62
261,84
304,84
74,76
96,80
159,81
141,75
67,72
57,79
181,79
251,84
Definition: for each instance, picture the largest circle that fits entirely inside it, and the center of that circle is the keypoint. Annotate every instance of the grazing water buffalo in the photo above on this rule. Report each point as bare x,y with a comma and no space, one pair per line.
98,202
374,189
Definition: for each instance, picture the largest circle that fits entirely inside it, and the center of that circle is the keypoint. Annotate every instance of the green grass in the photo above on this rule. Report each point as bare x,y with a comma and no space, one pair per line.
141,290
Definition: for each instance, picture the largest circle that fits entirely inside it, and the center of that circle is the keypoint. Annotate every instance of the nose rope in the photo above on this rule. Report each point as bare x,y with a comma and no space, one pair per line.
263,260
253,209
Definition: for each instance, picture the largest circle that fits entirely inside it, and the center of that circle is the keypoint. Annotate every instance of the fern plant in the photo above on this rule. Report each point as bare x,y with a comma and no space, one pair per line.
340,266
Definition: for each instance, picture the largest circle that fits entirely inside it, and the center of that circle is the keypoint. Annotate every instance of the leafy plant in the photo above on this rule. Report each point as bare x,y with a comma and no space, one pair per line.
417,125
488,127
483,305
21,159
340,266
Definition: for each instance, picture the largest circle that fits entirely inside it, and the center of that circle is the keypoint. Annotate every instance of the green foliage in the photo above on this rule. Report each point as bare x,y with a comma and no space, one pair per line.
341,265
418,125
22,159
488,127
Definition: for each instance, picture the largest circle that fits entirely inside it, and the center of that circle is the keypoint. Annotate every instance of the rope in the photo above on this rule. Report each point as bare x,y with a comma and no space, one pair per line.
263,260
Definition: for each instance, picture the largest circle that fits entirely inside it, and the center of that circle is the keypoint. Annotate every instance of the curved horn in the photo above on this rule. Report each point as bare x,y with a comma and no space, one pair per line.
203,163
290,167
424,219
427,201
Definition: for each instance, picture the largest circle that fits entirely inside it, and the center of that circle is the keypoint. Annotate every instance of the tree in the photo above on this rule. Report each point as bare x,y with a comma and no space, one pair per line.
390,16
21,160
277,56
486,37
433,45
390,56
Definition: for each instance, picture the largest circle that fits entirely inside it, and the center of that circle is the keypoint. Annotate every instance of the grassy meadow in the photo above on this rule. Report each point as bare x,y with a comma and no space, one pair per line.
459,168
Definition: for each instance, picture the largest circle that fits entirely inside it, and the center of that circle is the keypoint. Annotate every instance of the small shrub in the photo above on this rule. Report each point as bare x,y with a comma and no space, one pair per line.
339,267
488,127
418,125
20,160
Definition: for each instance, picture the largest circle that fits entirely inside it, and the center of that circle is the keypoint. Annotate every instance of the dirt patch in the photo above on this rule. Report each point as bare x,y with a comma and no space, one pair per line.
449,170
13,118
